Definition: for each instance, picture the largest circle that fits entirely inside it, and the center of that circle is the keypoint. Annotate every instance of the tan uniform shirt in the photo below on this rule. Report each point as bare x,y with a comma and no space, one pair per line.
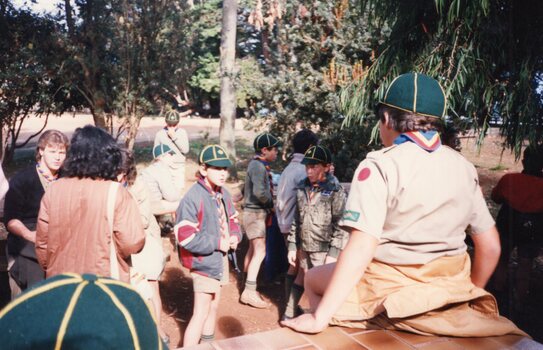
417,203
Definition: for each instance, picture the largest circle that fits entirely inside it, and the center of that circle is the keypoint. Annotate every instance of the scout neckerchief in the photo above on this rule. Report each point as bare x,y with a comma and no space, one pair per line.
427,140
320,186
313,190
45,179
216,193
259,158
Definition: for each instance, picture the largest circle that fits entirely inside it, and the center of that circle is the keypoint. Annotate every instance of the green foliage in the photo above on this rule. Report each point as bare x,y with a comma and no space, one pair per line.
316,48
30,60
478,50
206,77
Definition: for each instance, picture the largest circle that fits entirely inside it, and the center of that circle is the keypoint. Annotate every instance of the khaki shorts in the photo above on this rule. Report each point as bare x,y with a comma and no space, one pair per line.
204,284
254,223
309,260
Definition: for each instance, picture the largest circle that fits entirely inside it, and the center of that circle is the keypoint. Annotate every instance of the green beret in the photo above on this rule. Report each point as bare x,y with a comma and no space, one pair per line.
71,311
265,140
214,155
317,155
417,93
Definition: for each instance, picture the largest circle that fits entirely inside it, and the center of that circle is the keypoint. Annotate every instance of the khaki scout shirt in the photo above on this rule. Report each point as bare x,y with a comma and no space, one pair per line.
418,204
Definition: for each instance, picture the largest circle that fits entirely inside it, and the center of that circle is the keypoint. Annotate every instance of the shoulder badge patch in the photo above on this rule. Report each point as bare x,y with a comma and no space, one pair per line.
350,215
364,174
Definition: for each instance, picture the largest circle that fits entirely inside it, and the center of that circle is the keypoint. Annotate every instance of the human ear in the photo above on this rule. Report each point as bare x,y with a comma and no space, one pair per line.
203,170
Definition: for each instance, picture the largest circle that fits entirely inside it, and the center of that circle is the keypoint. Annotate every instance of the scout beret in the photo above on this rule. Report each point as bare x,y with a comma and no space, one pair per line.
417,93
71,311
160,149
317,155
265,140
172,118
214,155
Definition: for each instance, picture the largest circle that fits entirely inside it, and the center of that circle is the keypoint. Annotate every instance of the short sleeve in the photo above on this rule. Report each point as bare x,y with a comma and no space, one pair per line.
366,206
481,220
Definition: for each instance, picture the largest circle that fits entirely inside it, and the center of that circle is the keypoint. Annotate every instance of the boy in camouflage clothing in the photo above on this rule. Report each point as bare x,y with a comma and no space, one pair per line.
315,237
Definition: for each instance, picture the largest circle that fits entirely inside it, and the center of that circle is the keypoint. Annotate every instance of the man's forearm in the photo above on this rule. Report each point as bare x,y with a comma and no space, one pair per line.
486,256
17,228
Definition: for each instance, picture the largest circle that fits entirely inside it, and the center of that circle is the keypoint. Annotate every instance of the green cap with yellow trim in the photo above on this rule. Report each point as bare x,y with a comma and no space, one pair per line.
71,311
172,117
417,93
214,155
317,155
265,140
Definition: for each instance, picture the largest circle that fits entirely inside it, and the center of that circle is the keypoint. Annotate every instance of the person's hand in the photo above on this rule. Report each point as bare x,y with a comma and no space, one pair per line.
31,237
329,259
306,323
292,257
233,242
171,132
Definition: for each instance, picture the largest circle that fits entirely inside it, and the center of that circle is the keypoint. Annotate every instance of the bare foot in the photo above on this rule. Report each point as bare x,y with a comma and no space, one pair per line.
306,323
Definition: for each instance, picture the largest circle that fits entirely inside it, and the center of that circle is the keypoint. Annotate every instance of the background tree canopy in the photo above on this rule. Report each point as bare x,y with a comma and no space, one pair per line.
325,63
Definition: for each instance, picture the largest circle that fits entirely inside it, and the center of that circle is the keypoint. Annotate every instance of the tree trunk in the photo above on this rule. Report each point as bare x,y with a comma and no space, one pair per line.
134,124
69,17
227,134
99,118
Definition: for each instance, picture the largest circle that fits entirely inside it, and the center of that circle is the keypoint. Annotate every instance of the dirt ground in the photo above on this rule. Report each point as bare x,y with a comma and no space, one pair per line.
235,319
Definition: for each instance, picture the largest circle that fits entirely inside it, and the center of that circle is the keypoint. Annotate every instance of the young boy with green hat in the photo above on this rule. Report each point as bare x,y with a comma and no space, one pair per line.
257,213
315,234
206,229
405,266
177,139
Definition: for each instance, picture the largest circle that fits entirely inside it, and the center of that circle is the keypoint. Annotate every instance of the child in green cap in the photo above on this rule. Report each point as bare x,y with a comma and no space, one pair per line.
315,235
405,266
257,211
206,229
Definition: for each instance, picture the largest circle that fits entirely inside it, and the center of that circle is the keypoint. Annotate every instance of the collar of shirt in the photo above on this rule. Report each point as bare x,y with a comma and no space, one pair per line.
427,140
214,191
297,158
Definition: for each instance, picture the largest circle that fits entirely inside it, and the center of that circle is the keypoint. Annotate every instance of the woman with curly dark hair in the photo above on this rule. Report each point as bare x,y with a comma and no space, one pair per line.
76,232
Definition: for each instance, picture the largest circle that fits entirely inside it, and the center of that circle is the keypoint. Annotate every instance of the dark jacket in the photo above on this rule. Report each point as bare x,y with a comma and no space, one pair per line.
23,203
315,227
198,230
257,192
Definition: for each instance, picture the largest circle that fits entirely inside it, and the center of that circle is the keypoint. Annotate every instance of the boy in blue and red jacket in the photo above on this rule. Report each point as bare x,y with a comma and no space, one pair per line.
206,229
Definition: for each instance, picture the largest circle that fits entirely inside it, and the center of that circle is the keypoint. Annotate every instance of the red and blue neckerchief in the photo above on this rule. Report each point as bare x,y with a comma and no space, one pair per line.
427,140
216,193
45,176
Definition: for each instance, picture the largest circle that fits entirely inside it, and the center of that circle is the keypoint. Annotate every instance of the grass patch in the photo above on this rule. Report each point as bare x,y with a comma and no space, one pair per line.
499,167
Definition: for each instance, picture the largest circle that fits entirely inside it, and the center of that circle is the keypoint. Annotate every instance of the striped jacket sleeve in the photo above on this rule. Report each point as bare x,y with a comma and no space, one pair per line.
188,229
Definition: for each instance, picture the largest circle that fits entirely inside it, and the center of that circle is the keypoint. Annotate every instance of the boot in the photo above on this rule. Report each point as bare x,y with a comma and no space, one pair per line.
292,310
253,298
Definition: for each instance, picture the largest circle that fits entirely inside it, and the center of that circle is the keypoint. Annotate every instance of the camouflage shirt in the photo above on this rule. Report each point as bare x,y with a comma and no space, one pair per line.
318,210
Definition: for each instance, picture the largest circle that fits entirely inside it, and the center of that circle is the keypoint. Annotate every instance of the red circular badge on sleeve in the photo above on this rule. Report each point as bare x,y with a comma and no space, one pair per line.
364,174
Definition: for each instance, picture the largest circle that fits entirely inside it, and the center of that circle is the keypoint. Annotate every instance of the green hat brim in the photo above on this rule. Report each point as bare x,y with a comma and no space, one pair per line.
221,163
